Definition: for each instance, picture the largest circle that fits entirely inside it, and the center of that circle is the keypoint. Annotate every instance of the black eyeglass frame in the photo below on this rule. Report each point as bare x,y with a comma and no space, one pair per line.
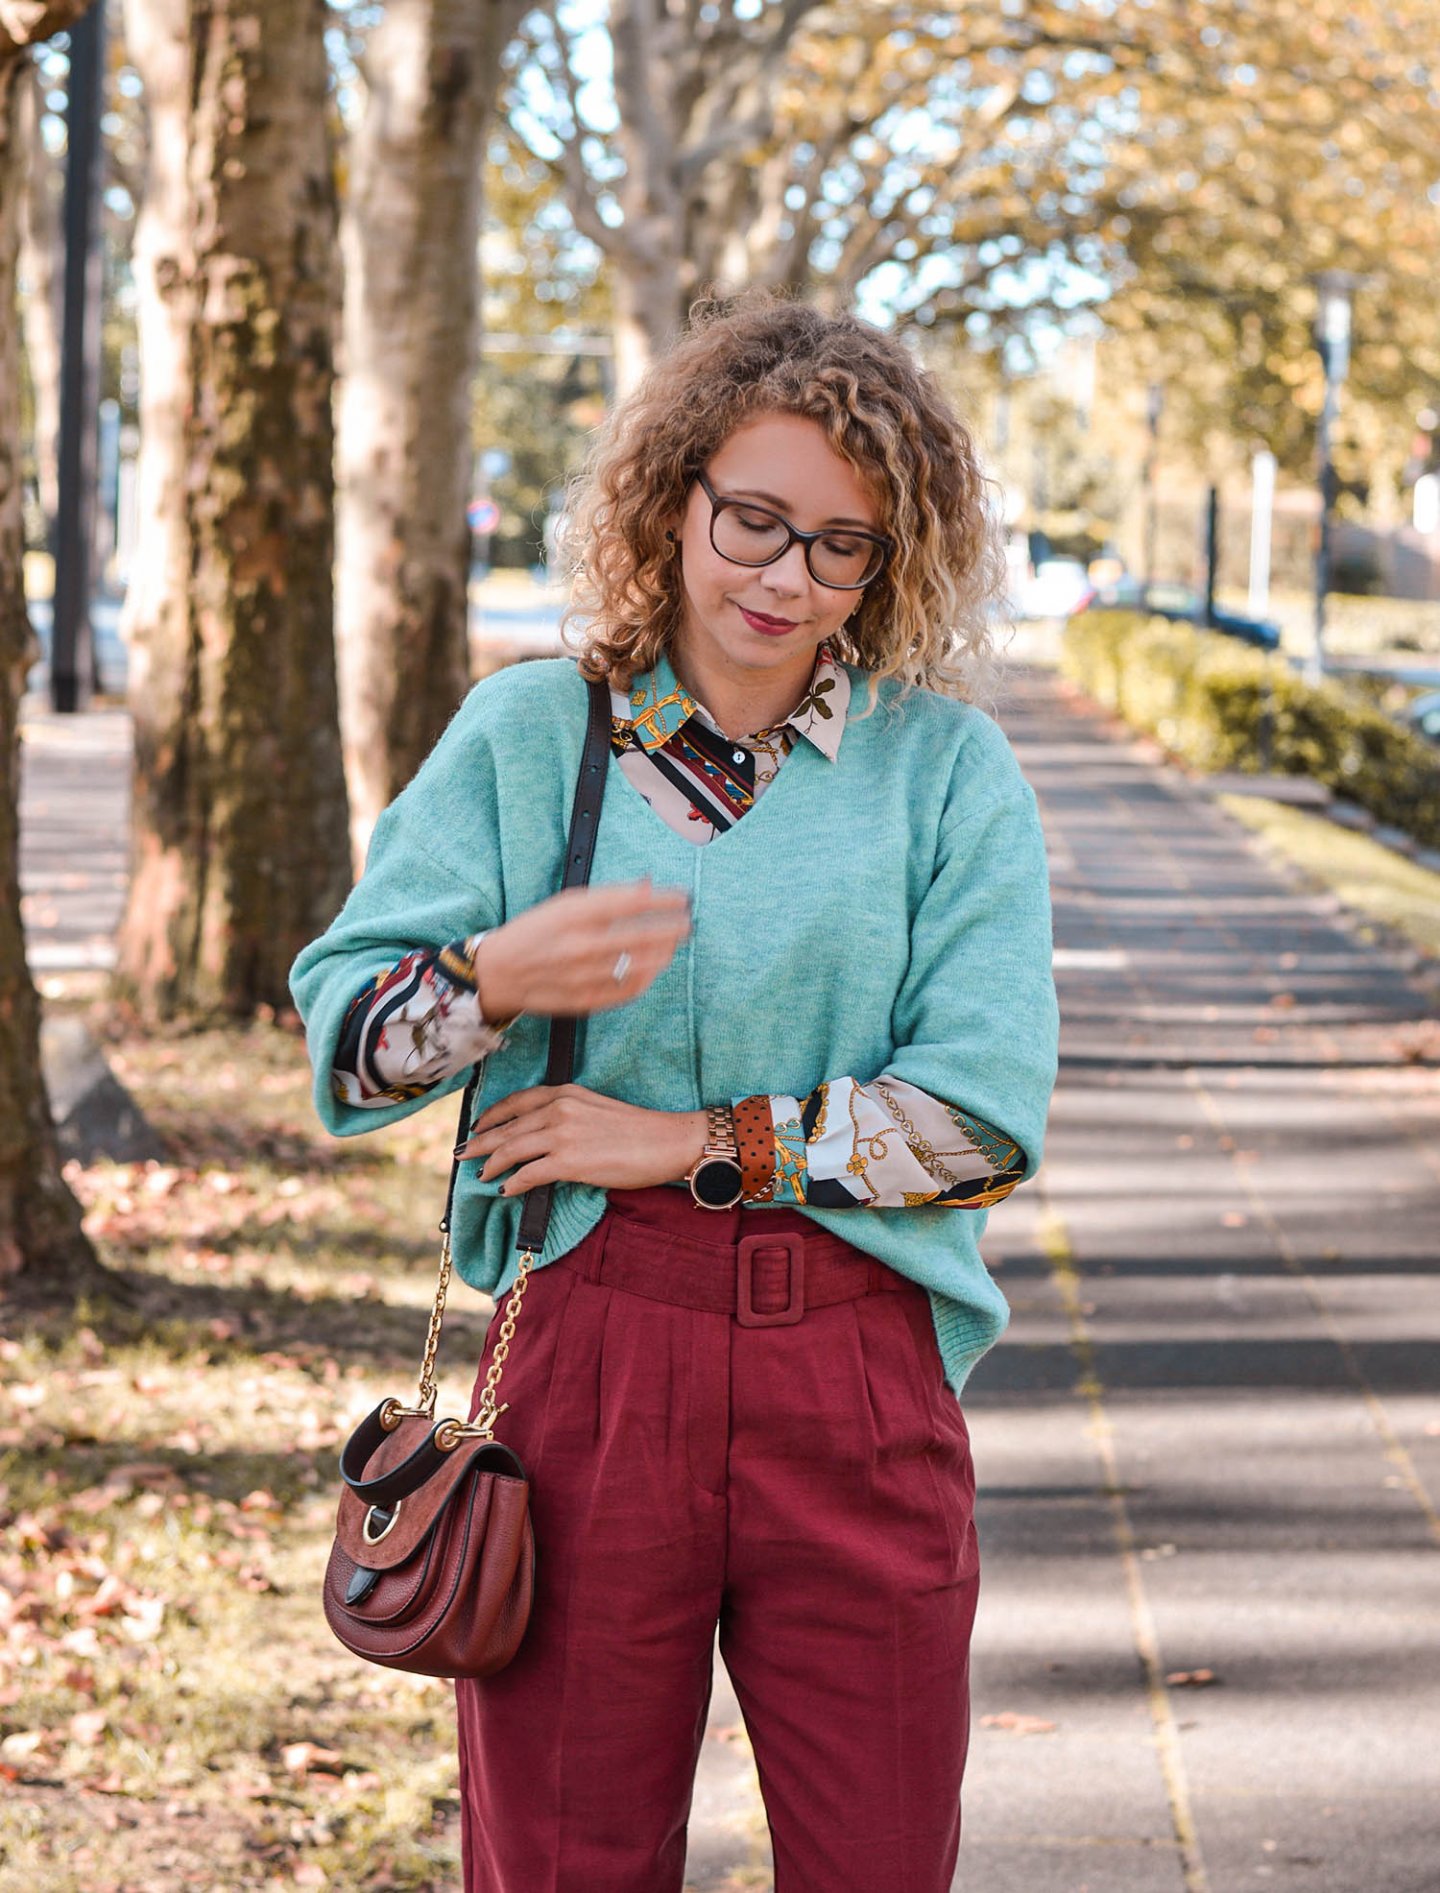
719,501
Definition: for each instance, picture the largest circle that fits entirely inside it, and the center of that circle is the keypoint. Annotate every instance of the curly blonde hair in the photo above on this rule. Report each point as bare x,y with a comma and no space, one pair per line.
925,619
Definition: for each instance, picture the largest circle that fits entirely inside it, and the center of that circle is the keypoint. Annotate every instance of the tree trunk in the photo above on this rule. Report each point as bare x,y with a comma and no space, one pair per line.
40,1231
409,234
240,829
649,293
650,310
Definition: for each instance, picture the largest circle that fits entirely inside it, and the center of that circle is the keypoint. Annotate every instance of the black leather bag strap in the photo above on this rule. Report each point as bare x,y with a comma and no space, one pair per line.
564,1032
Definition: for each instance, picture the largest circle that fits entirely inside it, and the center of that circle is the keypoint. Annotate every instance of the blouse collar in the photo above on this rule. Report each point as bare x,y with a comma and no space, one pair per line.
658,704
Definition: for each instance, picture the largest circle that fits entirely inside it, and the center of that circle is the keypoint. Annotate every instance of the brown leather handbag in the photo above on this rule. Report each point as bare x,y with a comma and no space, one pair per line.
433,1564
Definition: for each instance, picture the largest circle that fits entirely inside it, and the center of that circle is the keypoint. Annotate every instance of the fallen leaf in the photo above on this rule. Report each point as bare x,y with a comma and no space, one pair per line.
111,1595
300,1757
142,1619
1191,1679
22,1744
1015,1724
88,1725
140,1472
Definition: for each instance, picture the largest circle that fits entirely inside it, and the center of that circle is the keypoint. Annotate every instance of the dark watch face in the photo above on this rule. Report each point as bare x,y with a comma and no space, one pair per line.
717,1182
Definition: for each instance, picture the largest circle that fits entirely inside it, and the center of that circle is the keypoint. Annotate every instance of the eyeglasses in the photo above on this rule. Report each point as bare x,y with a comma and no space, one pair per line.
837,556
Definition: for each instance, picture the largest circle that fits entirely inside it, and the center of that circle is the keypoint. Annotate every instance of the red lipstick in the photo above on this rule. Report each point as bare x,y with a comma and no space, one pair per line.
772,627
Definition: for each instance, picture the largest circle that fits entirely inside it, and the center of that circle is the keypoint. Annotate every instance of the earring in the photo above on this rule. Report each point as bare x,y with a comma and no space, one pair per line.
671,545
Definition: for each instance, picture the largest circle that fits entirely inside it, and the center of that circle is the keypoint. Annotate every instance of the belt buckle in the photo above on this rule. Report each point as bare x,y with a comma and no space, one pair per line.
746,1313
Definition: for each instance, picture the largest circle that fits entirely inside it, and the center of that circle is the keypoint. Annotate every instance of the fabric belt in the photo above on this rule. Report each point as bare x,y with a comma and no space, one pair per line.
766,1269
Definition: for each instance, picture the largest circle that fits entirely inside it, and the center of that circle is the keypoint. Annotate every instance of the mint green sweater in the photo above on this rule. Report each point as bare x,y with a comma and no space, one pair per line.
906,929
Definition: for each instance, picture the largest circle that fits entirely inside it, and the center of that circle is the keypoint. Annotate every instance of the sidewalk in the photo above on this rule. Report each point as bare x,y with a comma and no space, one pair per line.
1210,1443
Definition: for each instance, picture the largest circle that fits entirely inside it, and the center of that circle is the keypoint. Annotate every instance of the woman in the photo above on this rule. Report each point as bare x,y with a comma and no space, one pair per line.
820,1041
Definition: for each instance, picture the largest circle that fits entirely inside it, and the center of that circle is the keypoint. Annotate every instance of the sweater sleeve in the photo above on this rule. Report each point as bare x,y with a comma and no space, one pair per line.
976,1023
428,882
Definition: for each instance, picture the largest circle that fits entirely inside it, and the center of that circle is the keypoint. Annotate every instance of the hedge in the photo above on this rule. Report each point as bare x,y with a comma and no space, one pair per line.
1207,697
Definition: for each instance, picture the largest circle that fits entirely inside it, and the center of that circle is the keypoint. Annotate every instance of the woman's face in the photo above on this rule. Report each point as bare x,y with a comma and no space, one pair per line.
785,462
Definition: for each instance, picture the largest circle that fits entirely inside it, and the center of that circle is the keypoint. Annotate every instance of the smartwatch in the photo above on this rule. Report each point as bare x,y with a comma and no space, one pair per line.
716,1180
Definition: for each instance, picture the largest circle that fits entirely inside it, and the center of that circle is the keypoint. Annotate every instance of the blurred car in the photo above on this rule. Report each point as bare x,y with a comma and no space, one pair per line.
1059,587
1183,604
1422,715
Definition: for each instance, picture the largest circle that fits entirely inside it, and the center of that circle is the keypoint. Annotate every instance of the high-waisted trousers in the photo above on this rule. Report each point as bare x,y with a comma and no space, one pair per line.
734,1421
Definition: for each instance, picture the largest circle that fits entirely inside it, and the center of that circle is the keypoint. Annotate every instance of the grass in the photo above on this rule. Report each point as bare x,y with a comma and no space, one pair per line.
1372,879
174,1712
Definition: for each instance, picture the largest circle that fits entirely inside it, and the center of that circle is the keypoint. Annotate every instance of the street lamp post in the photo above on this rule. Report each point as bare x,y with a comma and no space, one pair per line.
1332,339
72,647
1154,407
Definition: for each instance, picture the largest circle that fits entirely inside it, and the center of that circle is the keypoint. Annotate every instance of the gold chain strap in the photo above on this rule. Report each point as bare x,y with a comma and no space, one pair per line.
449,1433
489,1412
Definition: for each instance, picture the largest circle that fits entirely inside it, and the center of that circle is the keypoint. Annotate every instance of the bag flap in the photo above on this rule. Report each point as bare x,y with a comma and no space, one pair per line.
416,1514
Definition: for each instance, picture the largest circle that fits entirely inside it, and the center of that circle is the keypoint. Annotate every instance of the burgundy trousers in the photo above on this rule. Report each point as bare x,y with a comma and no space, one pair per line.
732,1420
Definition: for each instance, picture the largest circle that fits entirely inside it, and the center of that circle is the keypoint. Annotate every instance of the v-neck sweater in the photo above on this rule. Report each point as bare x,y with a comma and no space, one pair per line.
908,931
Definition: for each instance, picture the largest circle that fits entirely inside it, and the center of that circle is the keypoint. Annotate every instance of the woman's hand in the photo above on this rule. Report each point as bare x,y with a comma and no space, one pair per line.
559,957
566,1134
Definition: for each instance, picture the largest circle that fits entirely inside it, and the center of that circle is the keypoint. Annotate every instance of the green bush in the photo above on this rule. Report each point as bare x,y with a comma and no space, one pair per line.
1209,698
1359,627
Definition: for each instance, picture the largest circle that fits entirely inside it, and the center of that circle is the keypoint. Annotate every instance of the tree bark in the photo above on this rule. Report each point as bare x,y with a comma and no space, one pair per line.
410,234
240,826
40,1232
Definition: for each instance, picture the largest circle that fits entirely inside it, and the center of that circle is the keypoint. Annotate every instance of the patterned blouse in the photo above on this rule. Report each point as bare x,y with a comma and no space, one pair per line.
879,1144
